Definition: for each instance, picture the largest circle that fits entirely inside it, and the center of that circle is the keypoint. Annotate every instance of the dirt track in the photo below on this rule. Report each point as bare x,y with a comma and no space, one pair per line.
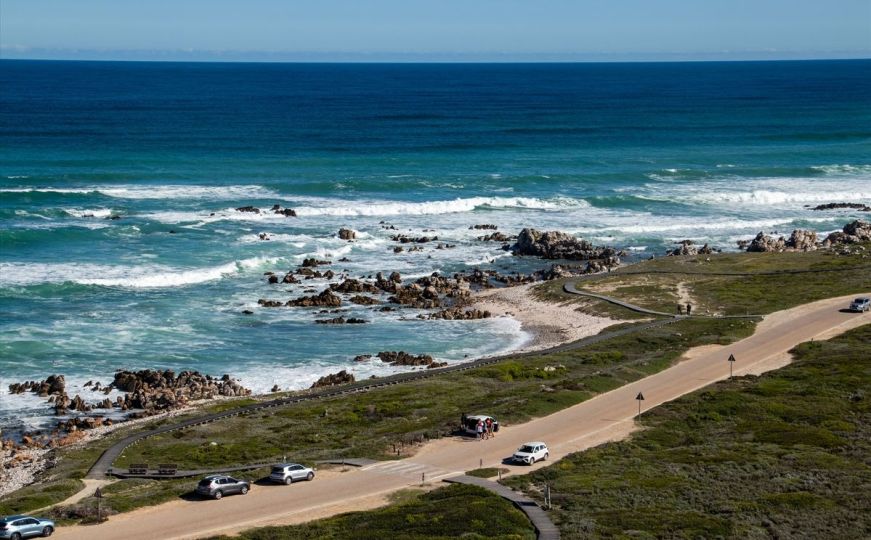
603,418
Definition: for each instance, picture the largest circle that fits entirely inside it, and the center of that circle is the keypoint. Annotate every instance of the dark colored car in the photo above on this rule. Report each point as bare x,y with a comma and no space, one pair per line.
19,527
217,486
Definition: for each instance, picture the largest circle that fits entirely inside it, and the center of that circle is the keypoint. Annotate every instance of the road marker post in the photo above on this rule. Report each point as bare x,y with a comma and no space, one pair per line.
731,361
639,398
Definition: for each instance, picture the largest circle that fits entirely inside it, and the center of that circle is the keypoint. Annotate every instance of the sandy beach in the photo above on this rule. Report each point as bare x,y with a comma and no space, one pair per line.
549,323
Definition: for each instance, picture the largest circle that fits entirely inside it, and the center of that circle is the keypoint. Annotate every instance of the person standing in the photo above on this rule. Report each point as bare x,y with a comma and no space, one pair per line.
689,309
479,429
489,427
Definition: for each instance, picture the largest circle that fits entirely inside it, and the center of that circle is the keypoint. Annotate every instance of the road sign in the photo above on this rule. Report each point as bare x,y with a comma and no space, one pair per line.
731,361
640,398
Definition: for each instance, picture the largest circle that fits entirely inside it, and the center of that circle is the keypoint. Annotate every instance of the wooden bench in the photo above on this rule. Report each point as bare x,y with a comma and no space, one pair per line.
138,468
168,469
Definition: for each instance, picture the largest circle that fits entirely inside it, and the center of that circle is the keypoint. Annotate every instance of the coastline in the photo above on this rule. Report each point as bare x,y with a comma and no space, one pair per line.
549,323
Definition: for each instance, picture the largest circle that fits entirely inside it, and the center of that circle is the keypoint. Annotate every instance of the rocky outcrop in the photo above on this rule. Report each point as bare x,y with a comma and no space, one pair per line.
286,212
341,320
354,286
763,243
844,205
362,300
51,386
324,299
342,377
347,234
802,240
155,390
457,314
497,237
559,245
485,226
402,358
688,247
403,239
312,263
799,240
852,233
251,209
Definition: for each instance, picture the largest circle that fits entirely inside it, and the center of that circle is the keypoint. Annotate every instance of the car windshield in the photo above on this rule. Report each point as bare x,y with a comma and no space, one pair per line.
526,448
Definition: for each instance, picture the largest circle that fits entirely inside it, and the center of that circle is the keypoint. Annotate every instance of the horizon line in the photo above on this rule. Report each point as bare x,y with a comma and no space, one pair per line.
13,52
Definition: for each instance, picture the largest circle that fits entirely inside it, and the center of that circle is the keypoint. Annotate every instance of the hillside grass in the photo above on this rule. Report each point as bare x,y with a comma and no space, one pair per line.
784,455
643,285
456,511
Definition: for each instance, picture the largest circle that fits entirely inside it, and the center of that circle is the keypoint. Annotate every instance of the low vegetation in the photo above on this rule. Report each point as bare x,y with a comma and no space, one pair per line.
663,283
784,455
456,511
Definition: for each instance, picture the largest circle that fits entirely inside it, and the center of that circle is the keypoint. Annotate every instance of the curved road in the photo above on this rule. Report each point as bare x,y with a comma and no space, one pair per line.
606,417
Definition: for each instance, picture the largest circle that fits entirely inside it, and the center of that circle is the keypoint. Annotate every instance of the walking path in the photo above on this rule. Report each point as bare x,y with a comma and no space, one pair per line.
544,527
571,289
606,417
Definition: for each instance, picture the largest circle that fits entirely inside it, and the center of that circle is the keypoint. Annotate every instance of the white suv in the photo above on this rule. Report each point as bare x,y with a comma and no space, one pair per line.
860,304
531,452
288,473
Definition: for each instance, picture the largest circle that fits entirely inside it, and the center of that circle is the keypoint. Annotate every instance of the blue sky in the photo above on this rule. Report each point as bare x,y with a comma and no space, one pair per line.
434,29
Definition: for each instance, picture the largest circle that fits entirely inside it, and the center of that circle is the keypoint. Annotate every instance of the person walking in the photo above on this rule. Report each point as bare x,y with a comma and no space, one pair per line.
680,309
689,309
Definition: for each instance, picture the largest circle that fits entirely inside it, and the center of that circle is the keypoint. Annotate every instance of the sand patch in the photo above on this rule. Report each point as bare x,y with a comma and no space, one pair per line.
549,323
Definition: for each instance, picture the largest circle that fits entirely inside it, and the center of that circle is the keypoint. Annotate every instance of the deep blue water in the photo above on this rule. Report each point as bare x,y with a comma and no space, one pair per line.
636,155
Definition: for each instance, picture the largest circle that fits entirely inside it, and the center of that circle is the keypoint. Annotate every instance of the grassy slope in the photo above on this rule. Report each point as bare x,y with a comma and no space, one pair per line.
782,455
733,295
450,512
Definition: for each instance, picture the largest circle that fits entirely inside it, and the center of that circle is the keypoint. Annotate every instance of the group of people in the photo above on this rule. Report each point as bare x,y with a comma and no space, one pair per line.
484,430
689,309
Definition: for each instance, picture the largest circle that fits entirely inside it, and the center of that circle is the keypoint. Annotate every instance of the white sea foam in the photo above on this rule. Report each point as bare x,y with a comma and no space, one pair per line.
843,169
161,191
138,277
389,208
89,213
771,197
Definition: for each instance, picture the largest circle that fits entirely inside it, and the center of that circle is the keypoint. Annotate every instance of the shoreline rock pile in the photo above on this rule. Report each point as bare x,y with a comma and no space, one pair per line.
342,377
402,358
688,247
560,245
155,390
844,205
805,240
51,386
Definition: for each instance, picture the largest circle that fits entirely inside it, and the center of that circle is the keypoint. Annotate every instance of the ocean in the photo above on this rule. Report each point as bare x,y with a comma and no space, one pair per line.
632,155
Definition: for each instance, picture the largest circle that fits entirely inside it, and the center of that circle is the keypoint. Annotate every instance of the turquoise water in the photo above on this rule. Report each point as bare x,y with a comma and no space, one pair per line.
634,155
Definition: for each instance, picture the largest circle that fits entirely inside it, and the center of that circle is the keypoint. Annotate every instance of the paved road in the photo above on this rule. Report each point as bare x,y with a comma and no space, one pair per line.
605,417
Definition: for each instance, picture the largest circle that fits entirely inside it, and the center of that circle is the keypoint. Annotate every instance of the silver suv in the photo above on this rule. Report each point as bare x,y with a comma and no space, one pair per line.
18,527
218,485
860,304
288,473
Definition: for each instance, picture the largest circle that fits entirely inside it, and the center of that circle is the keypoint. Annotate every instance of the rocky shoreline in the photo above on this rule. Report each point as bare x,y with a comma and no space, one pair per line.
470,295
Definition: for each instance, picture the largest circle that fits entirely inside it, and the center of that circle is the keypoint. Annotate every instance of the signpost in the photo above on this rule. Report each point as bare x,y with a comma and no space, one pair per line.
99,496
731,361
639,398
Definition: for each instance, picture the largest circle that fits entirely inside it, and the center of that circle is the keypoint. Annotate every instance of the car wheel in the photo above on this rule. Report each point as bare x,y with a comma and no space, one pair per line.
288,480
244,490
15,536
218,495
47,531
310,476
546,455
